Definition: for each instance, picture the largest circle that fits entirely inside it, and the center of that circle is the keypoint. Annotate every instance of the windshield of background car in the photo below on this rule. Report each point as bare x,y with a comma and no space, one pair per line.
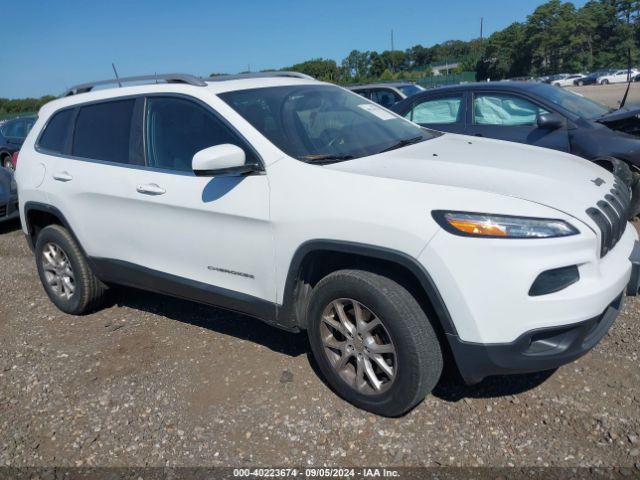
409,90
573,102
312,122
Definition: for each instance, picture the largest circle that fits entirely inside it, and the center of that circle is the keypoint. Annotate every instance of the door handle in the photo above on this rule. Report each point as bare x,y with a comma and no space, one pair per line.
150,189
479,135
62,176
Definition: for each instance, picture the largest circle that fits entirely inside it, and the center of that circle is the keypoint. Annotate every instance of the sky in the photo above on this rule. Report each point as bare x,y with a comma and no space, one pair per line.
51,45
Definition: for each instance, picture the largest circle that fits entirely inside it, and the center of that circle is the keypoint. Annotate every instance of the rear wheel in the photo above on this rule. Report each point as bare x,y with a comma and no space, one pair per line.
373,342
604,82
7,163
65,273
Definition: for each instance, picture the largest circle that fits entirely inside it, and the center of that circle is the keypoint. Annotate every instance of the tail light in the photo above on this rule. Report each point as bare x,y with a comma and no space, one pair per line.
14,159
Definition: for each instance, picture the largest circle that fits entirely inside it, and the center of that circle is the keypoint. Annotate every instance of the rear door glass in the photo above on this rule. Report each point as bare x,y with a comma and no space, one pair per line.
442,110
103,131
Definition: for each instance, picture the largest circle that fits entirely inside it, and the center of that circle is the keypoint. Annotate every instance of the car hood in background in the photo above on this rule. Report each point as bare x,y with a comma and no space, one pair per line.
618,115
547,177
625,121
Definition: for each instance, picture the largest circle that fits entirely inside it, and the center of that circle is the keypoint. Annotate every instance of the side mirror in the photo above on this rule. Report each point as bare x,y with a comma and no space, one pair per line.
220,160
551,121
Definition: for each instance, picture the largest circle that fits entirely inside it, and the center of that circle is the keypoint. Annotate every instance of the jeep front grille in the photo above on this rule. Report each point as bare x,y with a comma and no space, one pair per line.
611,214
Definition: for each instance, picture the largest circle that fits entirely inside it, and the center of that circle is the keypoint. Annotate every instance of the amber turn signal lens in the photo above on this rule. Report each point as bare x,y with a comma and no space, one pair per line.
478,228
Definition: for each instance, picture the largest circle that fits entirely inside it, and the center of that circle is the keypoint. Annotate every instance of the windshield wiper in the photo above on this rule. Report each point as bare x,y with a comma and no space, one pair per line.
326,159
403,143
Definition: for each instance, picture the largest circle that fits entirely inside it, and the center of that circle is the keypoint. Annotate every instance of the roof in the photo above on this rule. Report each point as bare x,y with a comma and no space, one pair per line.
380,85
18,117
502,85
173,83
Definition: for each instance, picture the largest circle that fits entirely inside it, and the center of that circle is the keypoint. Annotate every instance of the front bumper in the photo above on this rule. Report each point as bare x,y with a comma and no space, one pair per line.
634,281
9,208
534,351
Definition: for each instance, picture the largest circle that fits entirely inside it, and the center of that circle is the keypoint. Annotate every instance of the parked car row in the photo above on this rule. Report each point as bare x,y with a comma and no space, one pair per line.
12,135
598,77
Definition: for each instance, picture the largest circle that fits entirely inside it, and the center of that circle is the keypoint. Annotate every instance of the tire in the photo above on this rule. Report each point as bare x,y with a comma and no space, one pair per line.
66,276
604,82
416,361
580,83
7,163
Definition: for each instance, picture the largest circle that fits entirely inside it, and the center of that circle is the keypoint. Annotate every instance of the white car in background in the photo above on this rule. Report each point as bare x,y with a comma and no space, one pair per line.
619,76
567,80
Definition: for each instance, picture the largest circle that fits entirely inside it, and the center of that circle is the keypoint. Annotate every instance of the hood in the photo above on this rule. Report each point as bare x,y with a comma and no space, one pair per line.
627,121
547,177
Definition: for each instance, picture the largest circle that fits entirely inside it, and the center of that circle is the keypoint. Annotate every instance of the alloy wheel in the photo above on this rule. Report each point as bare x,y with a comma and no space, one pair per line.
358,346
58,271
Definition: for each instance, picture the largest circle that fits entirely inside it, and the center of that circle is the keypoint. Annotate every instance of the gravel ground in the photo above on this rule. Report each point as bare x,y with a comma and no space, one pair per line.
611,95
154,381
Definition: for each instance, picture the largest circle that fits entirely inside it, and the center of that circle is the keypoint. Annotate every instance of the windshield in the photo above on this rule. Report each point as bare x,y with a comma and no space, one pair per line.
409,90
323,122
571,101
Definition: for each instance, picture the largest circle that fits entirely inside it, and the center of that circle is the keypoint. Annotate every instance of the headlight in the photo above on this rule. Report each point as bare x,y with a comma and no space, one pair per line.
489,225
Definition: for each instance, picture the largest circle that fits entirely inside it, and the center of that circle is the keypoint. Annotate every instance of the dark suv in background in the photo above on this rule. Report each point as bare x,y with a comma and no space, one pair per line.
12,134
8,196
536,114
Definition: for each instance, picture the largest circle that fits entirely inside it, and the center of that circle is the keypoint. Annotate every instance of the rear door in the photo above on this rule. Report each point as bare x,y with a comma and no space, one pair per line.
445,112
90,181
513,117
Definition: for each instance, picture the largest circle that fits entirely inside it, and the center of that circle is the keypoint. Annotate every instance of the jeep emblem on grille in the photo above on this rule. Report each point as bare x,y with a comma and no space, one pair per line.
598,181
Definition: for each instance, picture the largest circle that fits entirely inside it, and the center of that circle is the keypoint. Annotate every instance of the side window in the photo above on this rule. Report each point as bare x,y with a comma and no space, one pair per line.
385,97
55,133
364,93
29,125
438,110
103,131
504,109
177,129
15,129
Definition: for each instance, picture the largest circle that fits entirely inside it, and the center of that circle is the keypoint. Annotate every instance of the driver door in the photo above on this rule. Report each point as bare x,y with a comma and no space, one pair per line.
511,117
209,230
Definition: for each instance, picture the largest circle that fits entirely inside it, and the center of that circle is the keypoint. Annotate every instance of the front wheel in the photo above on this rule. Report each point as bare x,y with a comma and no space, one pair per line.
373,342
580,83
604,82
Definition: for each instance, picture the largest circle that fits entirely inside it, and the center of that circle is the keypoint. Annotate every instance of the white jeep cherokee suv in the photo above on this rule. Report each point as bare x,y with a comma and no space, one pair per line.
311,208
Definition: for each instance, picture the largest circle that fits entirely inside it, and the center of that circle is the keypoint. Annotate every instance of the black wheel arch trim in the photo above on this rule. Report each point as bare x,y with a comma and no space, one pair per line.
31,206
287,310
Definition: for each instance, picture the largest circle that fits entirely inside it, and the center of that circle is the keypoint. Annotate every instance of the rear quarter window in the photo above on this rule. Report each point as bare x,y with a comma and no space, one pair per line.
55,134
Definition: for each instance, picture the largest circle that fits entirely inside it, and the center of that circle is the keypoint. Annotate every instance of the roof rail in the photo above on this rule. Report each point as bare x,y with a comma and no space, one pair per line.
167,78
239,76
